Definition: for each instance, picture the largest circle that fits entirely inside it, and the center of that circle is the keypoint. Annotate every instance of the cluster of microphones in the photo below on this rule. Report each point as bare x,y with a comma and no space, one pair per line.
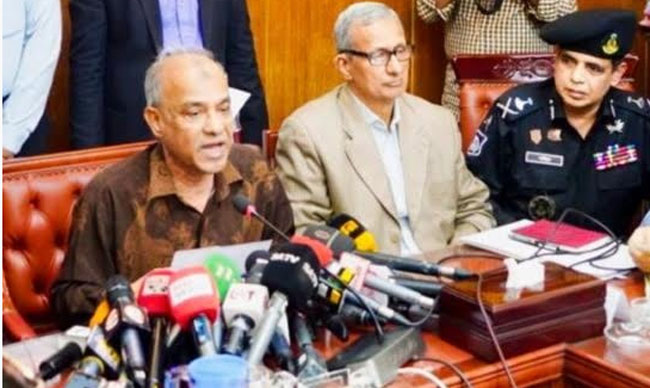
202,324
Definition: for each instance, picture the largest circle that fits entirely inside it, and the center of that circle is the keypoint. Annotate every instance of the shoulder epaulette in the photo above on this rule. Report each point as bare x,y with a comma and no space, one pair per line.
630,102
520,102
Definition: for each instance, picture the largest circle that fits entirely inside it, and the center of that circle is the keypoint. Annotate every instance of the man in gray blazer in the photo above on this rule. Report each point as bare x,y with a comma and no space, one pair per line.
369,149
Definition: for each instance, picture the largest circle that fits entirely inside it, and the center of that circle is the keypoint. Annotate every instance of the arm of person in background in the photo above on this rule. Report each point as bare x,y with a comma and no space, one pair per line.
301,173
431,11
473,211
487,158
89,259
87,68
242,70
25,105
549,10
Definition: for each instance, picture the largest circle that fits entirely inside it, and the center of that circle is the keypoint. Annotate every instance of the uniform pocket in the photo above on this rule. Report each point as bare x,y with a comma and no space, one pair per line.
545,178
618,178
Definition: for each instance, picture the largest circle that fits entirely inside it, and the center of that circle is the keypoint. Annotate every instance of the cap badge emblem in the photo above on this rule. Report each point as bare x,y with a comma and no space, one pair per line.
611,46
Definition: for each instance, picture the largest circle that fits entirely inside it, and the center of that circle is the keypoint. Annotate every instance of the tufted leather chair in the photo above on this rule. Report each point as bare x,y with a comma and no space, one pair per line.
483,78
38,197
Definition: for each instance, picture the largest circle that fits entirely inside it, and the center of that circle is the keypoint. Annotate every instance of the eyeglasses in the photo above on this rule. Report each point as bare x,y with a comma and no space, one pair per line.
381,57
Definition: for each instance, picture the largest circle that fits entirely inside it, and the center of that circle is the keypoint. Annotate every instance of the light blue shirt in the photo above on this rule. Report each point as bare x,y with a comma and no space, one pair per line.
387,141
180,24
31,41
646,220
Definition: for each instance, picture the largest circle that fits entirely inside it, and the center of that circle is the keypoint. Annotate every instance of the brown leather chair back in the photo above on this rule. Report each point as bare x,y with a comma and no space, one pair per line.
483,78
39,194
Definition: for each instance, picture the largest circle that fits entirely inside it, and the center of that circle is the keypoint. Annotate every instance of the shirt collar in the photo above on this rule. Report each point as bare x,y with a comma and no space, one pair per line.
372,120
605,111
161,182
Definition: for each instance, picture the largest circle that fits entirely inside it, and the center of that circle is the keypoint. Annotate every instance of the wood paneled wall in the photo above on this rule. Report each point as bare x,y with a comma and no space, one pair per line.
295,49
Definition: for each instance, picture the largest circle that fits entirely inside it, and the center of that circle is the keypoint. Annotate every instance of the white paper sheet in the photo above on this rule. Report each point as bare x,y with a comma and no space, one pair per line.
238,253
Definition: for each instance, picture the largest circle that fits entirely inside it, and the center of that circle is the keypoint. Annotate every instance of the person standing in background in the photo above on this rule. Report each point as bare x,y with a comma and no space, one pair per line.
31,42
490,27
113,43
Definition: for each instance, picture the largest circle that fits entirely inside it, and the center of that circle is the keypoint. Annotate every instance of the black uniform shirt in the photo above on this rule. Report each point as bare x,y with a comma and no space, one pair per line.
526,150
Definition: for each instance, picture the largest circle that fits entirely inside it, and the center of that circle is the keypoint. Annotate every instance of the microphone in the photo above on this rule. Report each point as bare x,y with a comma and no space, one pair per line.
153,296
245,207
340,243
324,257
428,288
255,264
243,310
125,321
100,358
387,287
349,226
357,316
60,361
292,276
281,351
225,272
310,363
195,305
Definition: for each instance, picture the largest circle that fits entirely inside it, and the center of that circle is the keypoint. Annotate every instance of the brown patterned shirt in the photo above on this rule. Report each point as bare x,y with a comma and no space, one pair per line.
130,220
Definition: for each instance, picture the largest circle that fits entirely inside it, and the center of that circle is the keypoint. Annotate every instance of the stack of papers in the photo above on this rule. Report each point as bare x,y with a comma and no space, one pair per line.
498,240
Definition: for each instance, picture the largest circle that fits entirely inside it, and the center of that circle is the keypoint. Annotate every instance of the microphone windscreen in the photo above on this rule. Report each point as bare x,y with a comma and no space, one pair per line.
255,256
323,253
293,270
349,226
154,292
241,203
117,287
192,292
224,271
331,237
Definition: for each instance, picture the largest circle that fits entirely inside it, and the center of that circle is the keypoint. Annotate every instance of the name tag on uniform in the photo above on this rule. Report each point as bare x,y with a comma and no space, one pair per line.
544,159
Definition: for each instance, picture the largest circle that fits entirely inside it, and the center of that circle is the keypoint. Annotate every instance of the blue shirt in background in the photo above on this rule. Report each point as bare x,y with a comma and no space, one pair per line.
181,26
31,42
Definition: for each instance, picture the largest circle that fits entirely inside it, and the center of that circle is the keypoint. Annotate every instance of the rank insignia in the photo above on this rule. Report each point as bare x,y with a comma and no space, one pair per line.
506,108
617,126
535,135
521,104
554,134
615,155
611,46
636,101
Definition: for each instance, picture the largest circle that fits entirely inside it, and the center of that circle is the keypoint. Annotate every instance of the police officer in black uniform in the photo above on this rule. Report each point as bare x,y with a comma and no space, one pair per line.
573,141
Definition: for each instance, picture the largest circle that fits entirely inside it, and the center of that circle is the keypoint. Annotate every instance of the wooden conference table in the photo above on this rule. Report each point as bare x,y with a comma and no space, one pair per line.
588,363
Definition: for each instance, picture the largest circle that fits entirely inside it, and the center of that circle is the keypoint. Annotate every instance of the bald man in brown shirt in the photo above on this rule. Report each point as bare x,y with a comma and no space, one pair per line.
176,194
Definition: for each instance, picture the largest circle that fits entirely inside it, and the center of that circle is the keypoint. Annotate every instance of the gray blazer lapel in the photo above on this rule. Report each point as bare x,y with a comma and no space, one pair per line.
414,148
152,15
361,151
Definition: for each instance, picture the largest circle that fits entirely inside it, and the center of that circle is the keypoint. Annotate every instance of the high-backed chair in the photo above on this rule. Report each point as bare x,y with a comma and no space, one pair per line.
39,194
483,78
269,142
